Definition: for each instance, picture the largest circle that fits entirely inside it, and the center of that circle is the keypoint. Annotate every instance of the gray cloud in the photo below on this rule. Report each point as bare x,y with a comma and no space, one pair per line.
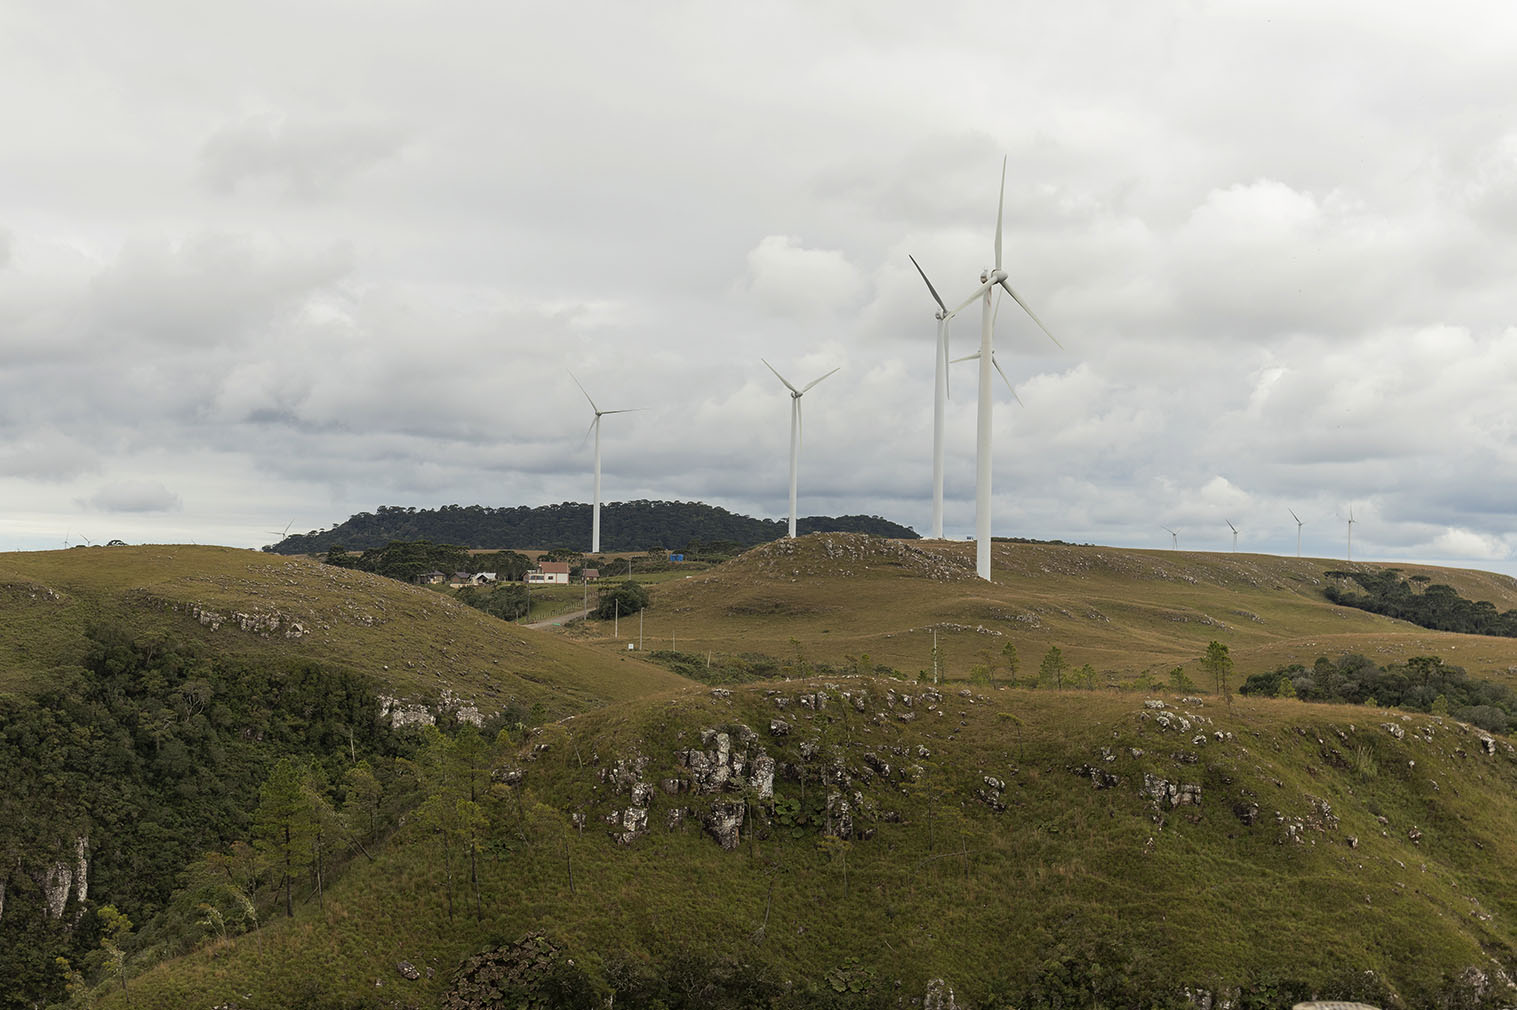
1276,249
134,496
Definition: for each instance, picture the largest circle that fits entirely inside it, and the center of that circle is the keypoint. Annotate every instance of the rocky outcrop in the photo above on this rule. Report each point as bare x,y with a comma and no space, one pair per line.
65,878
725,823
506,976
939,996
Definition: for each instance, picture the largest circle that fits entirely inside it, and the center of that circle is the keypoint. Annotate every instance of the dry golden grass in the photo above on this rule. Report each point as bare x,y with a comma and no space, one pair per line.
1126,612
246,603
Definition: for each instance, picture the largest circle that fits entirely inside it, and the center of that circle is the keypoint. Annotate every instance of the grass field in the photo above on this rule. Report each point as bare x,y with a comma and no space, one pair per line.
1319,852
835,598
415,641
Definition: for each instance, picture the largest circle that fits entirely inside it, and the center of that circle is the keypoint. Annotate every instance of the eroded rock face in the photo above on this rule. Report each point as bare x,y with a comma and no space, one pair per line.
65,878
939,996
1168,795
725,823
839,816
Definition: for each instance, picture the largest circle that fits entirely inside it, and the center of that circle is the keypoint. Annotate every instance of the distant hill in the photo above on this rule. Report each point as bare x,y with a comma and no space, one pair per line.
625,526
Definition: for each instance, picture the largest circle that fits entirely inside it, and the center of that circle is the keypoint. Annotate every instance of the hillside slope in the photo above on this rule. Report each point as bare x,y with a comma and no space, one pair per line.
412,641
842,845
833,596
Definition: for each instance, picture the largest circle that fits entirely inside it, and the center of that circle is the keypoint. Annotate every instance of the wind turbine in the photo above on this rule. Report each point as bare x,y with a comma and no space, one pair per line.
595,427
1175,534
795,430
1298,530
939,394
1351,532
989,280
1235,534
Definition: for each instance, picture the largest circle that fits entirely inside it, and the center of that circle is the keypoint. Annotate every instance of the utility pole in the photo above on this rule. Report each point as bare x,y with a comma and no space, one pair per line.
640,630
616,618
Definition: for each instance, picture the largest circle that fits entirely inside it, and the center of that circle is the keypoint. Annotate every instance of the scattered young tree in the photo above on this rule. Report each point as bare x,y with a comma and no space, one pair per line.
1051,670
283,827
1009,657
115,931
1219,665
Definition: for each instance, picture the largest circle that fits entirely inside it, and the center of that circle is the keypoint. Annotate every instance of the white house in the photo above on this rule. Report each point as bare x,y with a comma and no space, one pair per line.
550,572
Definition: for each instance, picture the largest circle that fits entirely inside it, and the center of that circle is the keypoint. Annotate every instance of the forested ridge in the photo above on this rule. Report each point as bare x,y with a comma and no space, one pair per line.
625,526
139,762
1421,601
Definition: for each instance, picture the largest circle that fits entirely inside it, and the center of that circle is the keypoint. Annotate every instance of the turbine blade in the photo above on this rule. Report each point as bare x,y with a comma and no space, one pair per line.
1000,206
1004,379
928,283
625,410
1031,313
1294,516
777,375
588,430
815,381
968,357
587,395
978,292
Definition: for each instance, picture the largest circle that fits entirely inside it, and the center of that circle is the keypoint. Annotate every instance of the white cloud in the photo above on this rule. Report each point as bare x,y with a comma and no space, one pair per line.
788,279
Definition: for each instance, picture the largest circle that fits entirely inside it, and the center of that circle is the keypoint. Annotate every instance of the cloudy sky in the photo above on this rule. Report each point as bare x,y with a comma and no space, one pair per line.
275,263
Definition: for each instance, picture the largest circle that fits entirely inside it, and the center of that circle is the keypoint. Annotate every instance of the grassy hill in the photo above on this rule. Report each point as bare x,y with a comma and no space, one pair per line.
1125,612
1030,848
414,641
840,840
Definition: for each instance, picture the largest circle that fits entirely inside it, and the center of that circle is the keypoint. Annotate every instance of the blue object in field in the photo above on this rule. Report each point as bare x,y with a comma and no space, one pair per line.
676,557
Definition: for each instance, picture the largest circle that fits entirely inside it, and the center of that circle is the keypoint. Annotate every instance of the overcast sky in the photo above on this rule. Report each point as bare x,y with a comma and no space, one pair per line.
277,263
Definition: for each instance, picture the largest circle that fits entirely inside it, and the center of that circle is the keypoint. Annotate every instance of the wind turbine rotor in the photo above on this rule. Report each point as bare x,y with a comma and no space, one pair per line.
813,382
935,296
1000,206
587,394
777,375
1009,386
1018,299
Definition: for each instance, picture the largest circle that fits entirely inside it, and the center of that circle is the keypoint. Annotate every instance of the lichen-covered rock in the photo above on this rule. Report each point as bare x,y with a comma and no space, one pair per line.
839,816
725,823
939,996
779,727
506,976
408,970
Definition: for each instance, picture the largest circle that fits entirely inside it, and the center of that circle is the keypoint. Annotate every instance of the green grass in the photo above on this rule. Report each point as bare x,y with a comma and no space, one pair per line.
830,597
1205,899
415,641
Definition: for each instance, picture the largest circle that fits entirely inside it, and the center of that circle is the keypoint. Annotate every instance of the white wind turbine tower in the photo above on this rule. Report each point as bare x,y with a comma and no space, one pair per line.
1299,524
989,279
795,431
1174,535
1235,534
595,427
1351,533
939,394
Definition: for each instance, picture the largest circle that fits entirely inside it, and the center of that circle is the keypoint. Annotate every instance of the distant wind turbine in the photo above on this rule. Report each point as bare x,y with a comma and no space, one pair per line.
795,431
1235,534
595,427
1298,530
1175,536
989,280
1351,532
939,394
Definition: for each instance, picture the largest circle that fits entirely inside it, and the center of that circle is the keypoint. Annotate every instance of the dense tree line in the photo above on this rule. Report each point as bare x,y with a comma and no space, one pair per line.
152,751
404,560
1420,601
1421,684
625,526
